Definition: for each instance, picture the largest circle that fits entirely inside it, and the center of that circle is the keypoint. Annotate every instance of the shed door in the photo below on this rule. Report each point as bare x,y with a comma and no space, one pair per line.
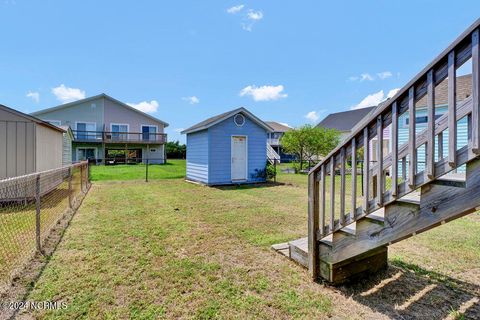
239,158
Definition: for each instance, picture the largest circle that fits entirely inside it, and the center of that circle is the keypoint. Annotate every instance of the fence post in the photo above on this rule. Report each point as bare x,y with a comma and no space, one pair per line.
70,188
37,214
88,174
81,177
146,171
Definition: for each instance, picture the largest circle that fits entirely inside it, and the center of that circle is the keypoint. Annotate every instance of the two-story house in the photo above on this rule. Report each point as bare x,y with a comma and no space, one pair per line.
106,129
274,139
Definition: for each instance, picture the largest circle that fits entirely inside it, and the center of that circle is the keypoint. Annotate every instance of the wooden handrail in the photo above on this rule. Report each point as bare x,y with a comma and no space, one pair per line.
444,66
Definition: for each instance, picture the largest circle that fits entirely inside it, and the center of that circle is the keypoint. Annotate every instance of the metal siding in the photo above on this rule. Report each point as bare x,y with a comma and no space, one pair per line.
3,149
49,144
11,149
30,148
220,150
197,156
67,149
20,148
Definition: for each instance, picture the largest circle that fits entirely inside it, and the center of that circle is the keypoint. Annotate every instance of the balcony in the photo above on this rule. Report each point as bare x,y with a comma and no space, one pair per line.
273,141
119,137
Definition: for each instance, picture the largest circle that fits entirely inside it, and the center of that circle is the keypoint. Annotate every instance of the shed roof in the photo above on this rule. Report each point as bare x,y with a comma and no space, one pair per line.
278,127
344,121
205,124
30,118
98,96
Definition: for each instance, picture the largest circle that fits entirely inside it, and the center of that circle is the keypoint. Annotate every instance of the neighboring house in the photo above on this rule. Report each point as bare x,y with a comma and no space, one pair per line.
463,91
68,138
347,120
344,121
274,137
228,148
27,144
106,128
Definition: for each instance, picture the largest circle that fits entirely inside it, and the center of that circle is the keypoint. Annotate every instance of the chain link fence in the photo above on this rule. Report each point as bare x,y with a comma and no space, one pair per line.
30,207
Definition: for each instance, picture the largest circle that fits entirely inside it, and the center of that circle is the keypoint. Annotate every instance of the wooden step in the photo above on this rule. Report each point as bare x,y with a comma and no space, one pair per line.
349,230
376,216
328,240
457,180
299,251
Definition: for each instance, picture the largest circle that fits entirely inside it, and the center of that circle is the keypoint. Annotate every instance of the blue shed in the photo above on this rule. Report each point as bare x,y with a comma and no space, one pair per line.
229,148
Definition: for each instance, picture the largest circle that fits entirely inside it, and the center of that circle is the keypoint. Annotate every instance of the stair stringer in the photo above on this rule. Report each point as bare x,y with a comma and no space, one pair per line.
438,204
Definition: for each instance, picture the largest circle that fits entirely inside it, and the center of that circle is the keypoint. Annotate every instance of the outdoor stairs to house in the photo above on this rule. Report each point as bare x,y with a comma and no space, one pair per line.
344,244
272,155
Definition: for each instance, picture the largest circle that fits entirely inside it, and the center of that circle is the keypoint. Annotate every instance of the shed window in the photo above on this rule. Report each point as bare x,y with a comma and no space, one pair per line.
239,120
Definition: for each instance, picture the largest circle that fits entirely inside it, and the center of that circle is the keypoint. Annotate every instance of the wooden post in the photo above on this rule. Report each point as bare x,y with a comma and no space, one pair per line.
404,169
81,177
452,111
354,179
475,92
37,213
332,193
366,169
313,206
394,149
323,199
412,148
379,160
70,202
146,171
430,165
342,186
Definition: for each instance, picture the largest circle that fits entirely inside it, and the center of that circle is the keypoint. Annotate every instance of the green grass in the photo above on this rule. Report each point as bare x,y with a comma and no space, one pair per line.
171,249
171,170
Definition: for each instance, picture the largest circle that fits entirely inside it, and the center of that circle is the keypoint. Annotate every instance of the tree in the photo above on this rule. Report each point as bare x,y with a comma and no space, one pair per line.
308,142
175,150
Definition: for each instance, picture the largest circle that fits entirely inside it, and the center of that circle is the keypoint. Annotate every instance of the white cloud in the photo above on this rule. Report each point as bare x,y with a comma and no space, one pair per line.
255,15
235,9
366,76
369,77
178,130
251,18
66,94
392,92
375,99
312,116
191,100
384,75
264,93
145,106
35,96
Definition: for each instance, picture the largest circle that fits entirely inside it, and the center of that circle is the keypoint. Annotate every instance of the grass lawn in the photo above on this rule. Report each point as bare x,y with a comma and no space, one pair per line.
171,249
171,170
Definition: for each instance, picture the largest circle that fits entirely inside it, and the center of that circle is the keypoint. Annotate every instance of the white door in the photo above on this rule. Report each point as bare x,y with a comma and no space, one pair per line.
239,158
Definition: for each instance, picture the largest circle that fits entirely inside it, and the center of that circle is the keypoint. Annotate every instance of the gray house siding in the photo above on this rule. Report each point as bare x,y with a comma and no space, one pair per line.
197,156
90,111
220,151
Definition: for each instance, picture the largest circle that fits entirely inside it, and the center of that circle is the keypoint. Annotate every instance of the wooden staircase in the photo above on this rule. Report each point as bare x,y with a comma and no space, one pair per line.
350,236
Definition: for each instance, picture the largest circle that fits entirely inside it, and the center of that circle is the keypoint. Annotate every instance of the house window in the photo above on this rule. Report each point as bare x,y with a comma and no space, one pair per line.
119,131
421,119
239,120
86,131
149,133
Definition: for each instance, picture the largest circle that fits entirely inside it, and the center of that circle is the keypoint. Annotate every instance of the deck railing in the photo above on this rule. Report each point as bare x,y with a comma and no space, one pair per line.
119,137
400,165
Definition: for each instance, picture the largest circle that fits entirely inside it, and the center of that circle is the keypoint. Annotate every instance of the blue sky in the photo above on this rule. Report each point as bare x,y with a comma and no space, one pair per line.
183,61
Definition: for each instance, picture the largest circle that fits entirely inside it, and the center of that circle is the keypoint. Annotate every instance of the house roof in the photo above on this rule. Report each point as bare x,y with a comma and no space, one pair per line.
68,130
205,124
463,91
278,127
346,120
102,95
31,118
